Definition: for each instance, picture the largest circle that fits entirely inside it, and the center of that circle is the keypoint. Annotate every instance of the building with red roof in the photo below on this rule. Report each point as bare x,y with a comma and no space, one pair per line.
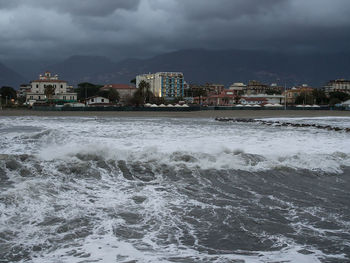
125,91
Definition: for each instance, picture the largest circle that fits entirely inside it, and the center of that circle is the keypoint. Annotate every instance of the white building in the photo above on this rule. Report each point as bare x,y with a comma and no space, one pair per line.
62,92
272,99
97,101
339,85
164,84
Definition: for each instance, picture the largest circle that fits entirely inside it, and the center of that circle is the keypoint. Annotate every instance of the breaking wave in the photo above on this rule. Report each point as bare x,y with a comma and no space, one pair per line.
168,190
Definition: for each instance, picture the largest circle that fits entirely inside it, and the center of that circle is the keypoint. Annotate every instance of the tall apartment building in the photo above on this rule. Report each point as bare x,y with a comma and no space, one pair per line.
62,91
340,85
164,84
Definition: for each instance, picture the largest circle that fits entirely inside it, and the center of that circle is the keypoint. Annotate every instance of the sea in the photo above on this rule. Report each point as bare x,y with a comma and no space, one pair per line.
103,189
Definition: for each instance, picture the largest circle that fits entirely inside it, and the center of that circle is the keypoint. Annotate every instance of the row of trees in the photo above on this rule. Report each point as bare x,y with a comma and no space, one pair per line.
319,97
7,95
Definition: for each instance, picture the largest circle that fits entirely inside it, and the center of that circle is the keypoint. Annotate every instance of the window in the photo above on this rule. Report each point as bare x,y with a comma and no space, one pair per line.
37,86
102,100
39,97
61,86
92,100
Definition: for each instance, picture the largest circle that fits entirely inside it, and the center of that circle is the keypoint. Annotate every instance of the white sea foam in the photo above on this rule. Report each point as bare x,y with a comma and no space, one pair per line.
212,145
59,143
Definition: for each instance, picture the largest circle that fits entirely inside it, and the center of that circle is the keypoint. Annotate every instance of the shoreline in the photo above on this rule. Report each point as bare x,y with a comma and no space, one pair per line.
174,114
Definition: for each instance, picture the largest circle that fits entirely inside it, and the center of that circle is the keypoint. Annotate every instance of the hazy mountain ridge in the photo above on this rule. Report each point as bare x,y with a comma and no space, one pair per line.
9,77
201,66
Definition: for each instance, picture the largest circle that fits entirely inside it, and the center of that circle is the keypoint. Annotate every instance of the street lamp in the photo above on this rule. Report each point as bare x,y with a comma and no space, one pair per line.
0,101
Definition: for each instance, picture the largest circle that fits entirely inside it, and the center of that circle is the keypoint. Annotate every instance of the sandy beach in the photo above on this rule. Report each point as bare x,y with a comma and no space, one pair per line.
192,114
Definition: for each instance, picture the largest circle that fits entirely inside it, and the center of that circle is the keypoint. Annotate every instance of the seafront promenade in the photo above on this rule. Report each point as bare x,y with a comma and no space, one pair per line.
189,114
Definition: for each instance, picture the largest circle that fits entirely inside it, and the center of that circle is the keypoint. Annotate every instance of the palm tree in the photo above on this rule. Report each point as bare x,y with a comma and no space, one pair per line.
144,88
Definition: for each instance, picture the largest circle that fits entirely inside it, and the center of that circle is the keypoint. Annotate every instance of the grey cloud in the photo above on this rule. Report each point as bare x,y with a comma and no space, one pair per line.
228,9
74,7
141,28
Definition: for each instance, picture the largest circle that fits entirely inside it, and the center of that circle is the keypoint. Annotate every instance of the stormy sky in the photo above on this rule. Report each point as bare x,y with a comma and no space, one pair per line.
34,29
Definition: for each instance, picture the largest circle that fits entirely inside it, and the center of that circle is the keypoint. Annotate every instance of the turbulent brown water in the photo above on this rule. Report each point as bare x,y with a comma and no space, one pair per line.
173,190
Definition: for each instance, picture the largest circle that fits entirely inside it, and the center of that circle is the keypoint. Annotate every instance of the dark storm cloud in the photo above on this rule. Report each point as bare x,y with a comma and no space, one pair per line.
133,28
74,7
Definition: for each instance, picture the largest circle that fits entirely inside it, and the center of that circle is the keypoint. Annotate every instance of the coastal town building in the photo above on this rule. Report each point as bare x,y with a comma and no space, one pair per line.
268,98
253,101
125,91
339,85
97,101
164,84
23,90
255,87
61,91
238,88
292,94
215,89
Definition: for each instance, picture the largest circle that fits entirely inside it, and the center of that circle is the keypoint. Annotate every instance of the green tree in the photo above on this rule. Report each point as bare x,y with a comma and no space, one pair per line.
142,95
113,95
8,92
133,81
49,92
137,99
334,101
86,90
342,96
304,98
319,96
144,88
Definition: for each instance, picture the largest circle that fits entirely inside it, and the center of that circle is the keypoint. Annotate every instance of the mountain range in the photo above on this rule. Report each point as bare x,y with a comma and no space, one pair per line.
198,65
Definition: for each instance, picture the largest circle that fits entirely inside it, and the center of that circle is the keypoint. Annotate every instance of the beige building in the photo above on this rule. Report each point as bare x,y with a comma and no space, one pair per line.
62,92
238,88
339,85
164,84
295,92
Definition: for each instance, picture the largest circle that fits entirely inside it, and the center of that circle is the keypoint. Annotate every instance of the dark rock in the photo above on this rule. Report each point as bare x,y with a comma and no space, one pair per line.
24,172
12,165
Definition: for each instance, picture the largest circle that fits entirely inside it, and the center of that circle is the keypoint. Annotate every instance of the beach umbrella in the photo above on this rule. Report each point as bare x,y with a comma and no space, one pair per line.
315,106
185,105
177,105
247,105
162,105
307,106
257,106
277,105
148,105
300,106
268,105
154,106
239,105
170,105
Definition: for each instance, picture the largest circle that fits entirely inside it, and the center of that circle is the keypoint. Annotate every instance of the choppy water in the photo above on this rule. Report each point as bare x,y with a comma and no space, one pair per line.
172,190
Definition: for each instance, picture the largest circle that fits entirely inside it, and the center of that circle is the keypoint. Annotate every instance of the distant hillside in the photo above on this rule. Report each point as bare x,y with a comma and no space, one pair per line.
227,66
78,69
9,77
201,66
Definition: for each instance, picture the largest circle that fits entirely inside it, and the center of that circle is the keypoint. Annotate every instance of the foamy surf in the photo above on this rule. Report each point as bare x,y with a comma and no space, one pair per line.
172,190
